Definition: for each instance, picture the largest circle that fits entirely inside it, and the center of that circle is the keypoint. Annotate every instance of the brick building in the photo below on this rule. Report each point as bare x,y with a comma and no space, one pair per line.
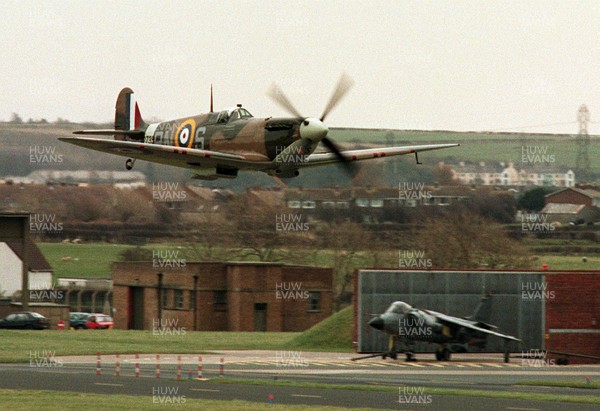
221,296
586,196
573,315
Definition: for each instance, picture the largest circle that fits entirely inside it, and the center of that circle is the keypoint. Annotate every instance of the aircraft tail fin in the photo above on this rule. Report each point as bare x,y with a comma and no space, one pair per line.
127,113
483,311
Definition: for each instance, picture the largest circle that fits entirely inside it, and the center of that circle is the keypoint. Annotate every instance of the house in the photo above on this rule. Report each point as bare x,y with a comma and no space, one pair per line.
501,174
570,213
575,195
11,262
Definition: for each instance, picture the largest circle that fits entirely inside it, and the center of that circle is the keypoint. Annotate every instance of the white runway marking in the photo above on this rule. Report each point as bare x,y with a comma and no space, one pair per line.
306,396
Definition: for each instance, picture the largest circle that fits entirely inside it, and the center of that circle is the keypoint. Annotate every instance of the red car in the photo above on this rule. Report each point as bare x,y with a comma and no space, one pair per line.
99,322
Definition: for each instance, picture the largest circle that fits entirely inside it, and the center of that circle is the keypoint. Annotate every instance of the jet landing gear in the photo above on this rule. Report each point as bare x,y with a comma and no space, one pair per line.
442,354
129,163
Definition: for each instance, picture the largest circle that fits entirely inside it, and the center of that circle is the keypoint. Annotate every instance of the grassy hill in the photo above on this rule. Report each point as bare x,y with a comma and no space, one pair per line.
332,334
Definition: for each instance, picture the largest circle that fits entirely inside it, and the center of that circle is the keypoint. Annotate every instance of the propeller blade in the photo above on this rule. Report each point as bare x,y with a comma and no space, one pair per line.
277,95
344,161
344,85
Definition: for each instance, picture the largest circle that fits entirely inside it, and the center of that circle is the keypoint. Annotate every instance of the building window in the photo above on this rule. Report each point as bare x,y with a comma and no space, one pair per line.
314,301
294,204
179,299
165,298
377,202
309,204
220,301
362,202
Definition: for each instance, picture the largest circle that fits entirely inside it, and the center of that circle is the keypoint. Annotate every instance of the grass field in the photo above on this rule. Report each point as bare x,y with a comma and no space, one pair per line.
18,344
40,400
331,334
93,260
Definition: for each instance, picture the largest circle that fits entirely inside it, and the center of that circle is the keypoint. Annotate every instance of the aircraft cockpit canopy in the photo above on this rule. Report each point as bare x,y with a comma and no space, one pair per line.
233,114
399,307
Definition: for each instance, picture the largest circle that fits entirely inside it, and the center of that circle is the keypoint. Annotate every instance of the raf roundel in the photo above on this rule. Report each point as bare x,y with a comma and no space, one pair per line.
184,137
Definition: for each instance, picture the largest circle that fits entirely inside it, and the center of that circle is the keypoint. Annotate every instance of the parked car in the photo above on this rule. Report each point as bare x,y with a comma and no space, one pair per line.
78,320
99,321
25,320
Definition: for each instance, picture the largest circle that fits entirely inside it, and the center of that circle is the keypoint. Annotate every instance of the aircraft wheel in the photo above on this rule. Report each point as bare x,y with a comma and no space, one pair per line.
410,356
445,354
129,163
393,356
438,354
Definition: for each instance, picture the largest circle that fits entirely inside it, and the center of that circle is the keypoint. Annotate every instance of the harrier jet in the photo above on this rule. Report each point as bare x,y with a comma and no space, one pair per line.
220,144
408,324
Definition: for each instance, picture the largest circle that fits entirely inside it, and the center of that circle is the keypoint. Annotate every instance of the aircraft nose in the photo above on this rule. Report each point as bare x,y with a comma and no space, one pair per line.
313,129
376,323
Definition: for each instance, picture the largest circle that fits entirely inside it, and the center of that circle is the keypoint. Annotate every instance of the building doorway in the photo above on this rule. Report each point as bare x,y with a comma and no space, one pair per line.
260,316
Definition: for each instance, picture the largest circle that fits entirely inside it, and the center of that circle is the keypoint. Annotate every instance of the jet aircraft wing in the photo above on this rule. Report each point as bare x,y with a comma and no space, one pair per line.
450,320
170,155
317,159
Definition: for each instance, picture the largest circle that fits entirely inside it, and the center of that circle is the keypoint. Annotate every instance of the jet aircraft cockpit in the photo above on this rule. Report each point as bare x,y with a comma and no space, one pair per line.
399,307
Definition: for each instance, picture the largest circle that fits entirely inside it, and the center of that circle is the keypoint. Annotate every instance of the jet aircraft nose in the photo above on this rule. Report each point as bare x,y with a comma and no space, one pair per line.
313,129
376,323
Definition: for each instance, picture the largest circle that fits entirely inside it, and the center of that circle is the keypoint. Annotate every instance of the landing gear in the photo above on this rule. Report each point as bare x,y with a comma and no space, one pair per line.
410,356
442,354
129,163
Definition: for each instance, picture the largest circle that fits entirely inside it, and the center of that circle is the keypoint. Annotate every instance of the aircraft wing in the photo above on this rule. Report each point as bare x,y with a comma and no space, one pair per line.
170,155
317,159
448,319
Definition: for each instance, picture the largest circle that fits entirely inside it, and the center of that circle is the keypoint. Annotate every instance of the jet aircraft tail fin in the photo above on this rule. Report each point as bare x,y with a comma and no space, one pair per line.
127,113
483,311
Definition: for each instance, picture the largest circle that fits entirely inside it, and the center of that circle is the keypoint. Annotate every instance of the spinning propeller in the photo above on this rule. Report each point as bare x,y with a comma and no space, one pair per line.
315,129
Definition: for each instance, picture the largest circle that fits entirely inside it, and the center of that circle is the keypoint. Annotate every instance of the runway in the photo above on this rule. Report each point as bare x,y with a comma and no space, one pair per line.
406,384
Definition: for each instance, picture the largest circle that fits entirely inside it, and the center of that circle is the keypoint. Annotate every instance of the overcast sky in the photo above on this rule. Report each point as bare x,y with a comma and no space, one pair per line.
458,65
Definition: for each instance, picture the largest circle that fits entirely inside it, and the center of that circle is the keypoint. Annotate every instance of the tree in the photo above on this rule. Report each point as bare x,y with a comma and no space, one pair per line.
15,118
462,240
533,200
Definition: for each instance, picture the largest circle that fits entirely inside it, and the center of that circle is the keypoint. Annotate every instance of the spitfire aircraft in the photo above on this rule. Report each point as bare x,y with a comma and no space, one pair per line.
408,324
219,144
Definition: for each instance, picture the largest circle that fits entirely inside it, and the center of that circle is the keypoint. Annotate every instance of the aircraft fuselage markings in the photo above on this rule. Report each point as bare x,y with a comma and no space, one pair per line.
202,132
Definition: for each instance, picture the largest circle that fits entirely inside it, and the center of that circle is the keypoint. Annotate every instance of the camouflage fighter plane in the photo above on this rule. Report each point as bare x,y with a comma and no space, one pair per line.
219,144
407,324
